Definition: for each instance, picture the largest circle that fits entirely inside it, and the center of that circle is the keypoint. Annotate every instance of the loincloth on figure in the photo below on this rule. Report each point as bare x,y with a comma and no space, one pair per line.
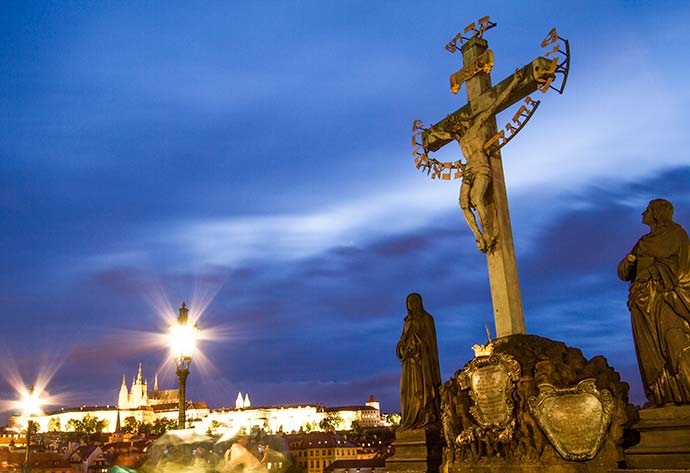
473,170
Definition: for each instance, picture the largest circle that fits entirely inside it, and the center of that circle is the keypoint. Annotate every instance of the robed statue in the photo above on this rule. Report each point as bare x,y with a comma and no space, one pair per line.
658,268
420,382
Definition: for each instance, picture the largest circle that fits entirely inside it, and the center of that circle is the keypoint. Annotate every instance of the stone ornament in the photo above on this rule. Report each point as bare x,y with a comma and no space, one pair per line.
491,382
576,419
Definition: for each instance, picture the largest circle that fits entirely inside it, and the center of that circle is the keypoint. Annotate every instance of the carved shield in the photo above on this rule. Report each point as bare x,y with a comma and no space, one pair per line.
576,419
491,380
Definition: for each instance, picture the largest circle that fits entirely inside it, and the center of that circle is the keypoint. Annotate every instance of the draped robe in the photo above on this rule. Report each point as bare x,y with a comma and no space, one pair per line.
659,303
421,377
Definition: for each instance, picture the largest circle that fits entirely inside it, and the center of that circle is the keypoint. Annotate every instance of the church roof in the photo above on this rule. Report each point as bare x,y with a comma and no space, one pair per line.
166,394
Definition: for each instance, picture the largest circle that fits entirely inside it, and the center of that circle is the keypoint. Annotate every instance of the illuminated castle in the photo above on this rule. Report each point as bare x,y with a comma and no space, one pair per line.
139,395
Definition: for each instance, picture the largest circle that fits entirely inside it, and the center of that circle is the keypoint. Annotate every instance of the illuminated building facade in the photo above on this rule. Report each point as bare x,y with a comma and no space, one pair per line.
315,451
147,406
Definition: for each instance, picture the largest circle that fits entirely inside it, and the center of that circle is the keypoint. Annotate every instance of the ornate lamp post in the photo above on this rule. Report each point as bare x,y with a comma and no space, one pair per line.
183,336
30,406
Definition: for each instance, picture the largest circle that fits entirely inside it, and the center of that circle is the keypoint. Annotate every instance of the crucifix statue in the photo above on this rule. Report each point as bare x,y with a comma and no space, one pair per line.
483,197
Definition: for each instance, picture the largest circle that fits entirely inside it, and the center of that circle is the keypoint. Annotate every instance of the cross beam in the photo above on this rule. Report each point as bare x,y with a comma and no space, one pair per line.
481,96
534,71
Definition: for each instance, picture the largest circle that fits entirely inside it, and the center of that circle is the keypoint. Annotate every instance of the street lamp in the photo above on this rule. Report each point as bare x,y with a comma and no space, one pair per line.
31,405
183,336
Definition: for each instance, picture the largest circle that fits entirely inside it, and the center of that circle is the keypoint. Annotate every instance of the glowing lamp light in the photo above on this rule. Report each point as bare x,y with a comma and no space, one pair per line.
183,335
183,340
31,403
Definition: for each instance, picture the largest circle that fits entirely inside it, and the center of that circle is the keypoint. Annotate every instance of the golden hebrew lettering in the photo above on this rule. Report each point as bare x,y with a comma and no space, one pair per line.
518,114
445,177
483,63
484,25
471,27
494,139
416,125
511,129
529,101
551,38
452,45
556,49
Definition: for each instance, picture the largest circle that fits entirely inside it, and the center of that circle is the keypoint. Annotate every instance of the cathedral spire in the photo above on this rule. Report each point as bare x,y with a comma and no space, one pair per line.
155,383
140,378
239,402
123,397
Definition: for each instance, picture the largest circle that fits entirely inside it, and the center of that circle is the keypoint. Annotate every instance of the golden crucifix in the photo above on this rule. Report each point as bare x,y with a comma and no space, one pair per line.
483,197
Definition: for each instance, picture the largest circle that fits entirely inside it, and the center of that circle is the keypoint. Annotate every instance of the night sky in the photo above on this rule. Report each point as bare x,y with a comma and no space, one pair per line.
253,159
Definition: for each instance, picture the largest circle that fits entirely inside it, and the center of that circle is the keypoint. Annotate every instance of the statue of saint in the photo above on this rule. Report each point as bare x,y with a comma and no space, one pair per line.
472,133
658,268
420,382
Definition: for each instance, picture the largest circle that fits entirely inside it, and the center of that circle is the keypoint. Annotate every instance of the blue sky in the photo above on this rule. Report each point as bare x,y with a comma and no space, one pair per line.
253,158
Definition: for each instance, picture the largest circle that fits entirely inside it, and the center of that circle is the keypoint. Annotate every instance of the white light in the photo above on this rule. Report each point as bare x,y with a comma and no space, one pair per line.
31,404
183,340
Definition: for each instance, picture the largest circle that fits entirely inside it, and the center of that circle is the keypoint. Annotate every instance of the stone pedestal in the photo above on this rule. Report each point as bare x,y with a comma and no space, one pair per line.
664,439
416,451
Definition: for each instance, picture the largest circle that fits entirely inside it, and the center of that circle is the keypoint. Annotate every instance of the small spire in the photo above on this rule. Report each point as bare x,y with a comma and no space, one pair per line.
239,402
184,314
140,378
118,426
155,383
124,383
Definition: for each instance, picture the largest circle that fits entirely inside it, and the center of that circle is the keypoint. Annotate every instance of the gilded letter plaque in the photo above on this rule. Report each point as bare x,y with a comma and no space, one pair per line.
576,419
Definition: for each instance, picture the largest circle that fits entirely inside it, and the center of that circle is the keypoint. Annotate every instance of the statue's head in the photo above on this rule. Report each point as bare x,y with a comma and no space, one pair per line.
458,123
659,212
414,302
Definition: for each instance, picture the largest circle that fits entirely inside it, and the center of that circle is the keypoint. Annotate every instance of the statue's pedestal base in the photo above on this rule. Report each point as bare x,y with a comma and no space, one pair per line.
664,440
534,405
416,451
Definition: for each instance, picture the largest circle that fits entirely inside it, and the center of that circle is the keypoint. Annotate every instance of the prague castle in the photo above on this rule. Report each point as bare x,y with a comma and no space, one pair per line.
148,406
139,395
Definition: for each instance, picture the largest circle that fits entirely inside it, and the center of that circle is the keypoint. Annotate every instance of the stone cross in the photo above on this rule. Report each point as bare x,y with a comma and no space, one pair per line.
483,189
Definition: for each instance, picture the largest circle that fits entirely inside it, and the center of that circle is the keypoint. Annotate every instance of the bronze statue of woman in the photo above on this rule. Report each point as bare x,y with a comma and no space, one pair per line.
421,376
658,268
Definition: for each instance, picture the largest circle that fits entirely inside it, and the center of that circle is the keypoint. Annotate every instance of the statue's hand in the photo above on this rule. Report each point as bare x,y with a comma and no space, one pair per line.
631,258
518,75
